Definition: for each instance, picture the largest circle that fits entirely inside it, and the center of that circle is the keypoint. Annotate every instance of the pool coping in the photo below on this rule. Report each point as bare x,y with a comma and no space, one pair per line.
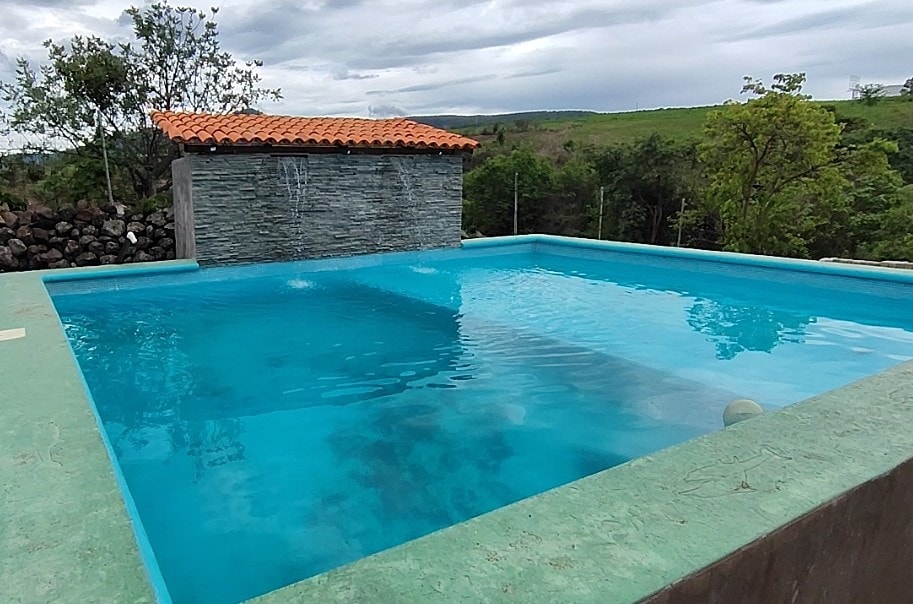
67,533
620,535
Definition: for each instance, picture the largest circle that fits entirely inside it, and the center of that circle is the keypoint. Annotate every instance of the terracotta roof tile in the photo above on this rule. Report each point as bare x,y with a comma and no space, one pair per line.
253,129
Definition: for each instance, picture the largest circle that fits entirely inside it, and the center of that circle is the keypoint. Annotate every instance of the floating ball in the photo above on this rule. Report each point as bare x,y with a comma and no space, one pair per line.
740,410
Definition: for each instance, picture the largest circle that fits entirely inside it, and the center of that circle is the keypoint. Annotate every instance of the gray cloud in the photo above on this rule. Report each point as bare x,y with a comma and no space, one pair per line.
48,3
294,27
341,73
385,111
435,86
861,16
389,57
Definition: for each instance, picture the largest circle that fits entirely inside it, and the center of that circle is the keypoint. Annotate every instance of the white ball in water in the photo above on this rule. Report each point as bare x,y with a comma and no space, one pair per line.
739,410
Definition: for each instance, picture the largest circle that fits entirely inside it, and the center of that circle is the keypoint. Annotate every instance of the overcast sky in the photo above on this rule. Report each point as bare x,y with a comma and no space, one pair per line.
388,57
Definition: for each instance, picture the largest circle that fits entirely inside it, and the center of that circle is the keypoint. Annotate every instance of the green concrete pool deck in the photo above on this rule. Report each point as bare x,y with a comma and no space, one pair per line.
618,536
65,535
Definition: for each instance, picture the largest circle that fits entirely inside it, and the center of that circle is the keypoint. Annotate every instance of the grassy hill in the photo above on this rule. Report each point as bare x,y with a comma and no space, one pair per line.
549,131
475,122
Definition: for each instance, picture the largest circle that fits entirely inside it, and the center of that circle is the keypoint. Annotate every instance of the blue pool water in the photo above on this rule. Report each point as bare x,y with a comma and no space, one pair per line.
275,423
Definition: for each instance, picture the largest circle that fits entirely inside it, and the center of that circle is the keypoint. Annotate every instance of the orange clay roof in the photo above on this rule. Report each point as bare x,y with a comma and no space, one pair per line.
254,130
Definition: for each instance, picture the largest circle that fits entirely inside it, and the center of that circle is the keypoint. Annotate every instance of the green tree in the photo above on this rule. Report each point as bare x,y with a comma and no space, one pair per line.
569,206
771,162
645,183
489,192
847,224
894,239
907,90
174,62
902,161
870,94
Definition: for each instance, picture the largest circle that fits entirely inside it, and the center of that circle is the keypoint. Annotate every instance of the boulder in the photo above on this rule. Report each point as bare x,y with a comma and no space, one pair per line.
156,219
8,262
142,256
136,218
37,262
35,249
170,228
75,233
57,242
71,248
44,215
111,247
40,234
170,255
85,240
25,217
11,219
136,227
51,256
142,243
113,228
159,233
169,214
108,259
6,234
97,248
25,234
17,246
59,264
90,230
166,242
157,252
86,259
150,230
63,228
84,216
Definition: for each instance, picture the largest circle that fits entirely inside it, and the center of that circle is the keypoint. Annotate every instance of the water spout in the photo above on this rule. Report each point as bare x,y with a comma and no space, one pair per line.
293,182
405,169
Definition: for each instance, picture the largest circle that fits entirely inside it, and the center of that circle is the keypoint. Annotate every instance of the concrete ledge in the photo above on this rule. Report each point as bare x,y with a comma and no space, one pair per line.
118,270
65,533
882,263
855,548
793,264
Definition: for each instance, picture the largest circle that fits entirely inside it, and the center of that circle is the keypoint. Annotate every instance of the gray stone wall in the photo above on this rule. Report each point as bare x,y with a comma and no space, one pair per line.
42,238
261,207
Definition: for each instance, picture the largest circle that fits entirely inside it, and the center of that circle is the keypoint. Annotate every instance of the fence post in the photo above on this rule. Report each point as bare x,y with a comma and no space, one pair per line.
516,196
680,220
601,205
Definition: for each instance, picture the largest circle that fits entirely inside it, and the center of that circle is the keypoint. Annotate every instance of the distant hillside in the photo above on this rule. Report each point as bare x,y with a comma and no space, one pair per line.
452,122
550,130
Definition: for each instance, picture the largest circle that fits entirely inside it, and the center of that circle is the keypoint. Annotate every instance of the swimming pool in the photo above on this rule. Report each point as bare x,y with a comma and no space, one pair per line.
286,419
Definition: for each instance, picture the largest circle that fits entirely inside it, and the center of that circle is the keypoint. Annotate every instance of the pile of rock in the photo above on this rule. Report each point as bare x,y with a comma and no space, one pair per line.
84,236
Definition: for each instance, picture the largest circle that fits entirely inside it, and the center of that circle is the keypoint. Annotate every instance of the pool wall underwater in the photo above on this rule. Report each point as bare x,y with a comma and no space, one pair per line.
789,506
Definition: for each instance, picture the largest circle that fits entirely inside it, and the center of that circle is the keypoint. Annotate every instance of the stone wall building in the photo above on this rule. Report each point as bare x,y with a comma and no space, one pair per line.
253,188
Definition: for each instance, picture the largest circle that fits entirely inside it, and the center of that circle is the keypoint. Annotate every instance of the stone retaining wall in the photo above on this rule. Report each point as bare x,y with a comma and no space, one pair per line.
42,238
